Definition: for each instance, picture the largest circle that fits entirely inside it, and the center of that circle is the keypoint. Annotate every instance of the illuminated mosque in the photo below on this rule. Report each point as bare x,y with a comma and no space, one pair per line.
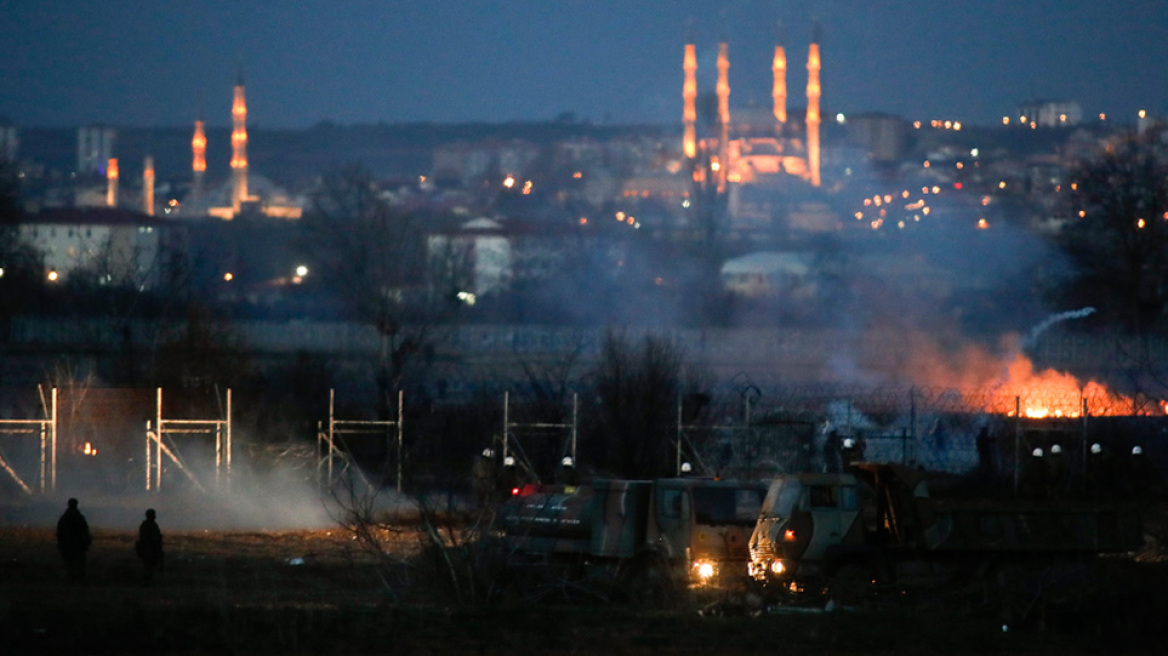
236,197
756,145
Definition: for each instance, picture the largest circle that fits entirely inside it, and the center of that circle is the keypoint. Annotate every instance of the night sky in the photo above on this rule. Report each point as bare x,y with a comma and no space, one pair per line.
162,62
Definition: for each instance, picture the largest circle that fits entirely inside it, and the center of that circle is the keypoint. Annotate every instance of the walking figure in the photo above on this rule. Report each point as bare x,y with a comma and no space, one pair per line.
73,540
149,546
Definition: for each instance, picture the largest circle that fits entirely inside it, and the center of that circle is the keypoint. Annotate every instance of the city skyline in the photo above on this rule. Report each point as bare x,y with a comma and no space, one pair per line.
167,63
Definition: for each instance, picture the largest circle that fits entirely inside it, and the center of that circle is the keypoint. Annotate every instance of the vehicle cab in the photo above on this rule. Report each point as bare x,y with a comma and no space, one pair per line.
803,518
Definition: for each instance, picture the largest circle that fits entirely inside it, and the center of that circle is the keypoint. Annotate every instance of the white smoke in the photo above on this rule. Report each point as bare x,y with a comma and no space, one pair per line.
1042,327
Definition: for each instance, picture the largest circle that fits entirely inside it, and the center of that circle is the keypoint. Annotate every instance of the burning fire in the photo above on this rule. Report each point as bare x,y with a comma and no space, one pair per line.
1049,393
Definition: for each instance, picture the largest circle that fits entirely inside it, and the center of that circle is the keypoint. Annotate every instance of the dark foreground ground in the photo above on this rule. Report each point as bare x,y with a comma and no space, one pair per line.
318,591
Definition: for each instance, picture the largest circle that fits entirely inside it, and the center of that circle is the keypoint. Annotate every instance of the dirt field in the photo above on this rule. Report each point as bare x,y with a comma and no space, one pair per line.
318,591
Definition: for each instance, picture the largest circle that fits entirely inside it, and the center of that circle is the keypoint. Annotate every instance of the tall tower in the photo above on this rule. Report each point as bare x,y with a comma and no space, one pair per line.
780,70
813,93
689,93
199,163
148,186
723,112
239,145
111,179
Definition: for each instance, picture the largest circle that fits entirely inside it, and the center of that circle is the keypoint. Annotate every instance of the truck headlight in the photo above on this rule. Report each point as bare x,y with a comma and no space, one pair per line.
705,569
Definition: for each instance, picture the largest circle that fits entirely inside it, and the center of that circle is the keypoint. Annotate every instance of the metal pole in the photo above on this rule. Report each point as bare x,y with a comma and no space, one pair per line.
332,424
1083,458
506,421
229,436
53,451
400,415
575,412
148,455
1017,440
158,441
44,464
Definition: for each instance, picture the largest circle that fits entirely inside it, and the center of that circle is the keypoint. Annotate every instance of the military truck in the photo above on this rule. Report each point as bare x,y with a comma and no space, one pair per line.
876,519
692,526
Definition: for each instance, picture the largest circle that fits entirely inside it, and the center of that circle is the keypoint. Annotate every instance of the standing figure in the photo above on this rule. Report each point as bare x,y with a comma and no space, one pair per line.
566,474
853,452
483,477
149,546
509,481
73,540
831,453
1033,483
1100,473
1058,481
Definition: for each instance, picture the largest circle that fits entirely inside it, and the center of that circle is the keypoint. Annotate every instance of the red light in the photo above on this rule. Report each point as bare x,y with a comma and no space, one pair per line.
514,491
789,535
956,185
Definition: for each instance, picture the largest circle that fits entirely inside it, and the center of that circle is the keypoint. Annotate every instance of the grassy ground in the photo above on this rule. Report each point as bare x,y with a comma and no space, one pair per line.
319,592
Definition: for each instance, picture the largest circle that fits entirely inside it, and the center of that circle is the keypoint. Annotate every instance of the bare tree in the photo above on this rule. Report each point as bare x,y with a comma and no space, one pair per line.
1118,233
637,387
372,258
1117,241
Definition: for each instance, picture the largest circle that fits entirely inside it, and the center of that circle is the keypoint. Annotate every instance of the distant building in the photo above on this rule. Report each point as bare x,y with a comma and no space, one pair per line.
9,143
116,246
883,135
768,274
1050,113
95,148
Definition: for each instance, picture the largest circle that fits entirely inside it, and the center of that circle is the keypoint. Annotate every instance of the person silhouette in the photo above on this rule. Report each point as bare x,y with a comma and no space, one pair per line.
73,541
149,546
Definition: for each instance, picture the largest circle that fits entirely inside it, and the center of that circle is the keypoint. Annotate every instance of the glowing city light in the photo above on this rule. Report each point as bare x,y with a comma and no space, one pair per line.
509,181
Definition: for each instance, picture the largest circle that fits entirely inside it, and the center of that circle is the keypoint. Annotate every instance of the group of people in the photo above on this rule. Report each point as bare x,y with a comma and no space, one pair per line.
1049,474
492,483
74,540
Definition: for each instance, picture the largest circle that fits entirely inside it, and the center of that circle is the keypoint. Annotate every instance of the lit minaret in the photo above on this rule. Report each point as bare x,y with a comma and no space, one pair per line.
148,186
813,93
239,145
780,69
199,164
690,93
111,188
723,112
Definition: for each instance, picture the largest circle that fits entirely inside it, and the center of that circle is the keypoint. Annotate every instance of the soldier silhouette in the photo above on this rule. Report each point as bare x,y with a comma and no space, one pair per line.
566,473
483,476
149,546
73,540
832,455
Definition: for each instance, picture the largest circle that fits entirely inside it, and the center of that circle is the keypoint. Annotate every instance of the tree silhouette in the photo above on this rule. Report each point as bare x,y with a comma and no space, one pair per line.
1117,237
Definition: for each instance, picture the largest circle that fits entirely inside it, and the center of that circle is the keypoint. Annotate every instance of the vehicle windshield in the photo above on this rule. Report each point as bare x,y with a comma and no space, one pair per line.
727,505
781,498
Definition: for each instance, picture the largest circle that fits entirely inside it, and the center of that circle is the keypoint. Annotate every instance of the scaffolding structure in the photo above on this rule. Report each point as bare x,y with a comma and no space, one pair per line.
160,428
46,430
508,426
326,440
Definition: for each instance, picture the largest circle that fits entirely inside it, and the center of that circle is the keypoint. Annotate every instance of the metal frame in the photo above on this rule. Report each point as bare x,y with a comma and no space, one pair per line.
340,427
508,425
46,429
159,428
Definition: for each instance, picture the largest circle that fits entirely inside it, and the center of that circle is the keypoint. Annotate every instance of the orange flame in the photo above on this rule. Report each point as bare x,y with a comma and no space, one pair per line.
1049,393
